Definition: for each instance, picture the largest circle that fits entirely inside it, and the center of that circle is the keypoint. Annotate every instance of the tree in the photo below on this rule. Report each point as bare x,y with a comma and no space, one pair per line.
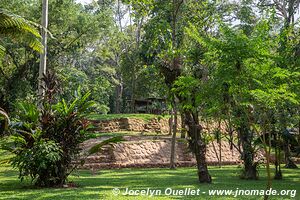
286,14
162,47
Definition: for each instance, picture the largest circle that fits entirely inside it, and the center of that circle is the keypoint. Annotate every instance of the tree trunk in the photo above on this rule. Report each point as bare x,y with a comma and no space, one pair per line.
250,168
203,174
173,144
287,155
171,122
278,173
197,145
269,181
182,130
220,154
267,149
118,101
171,73
216,152
298,131
132,102
119,15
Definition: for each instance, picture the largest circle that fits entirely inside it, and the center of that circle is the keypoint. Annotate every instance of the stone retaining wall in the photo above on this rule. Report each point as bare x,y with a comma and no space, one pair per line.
155,125
156,153
132,124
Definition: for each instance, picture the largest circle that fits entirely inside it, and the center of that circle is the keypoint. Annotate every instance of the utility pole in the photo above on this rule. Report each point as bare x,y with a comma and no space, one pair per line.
43,55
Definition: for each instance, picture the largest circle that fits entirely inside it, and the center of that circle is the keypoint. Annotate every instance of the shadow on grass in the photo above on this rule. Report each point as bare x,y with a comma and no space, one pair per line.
100,185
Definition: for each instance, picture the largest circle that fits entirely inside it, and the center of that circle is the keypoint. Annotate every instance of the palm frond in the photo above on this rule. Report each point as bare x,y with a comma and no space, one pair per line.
97,148
4,115
2,50
19,29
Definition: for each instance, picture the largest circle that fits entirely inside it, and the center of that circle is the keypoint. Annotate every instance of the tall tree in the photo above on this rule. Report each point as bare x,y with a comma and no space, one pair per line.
162,47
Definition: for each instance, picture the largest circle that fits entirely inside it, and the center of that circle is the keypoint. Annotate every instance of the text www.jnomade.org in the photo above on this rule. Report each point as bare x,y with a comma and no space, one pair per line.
197,192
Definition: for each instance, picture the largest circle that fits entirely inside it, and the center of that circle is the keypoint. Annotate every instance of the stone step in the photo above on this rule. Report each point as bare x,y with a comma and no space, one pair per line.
94,166
100,159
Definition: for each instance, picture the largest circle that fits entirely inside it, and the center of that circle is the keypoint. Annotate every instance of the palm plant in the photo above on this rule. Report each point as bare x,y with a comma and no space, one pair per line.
18,29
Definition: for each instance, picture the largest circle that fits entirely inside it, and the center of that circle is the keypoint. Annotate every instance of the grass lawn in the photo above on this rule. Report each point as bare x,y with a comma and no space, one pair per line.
145,117
100,186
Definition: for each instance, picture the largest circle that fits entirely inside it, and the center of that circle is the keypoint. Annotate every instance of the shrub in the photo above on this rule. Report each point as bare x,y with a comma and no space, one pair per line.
46,140
38,161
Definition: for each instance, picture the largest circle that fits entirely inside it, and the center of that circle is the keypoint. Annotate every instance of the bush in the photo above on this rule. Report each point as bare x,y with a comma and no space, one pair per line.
46,140
37,161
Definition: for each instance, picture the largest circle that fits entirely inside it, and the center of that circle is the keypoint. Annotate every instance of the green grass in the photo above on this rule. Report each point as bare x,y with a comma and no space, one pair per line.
100,186
145,117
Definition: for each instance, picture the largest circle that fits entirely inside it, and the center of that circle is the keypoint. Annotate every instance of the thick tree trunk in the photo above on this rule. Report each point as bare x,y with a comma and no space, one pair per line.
203,174
250,168
197,145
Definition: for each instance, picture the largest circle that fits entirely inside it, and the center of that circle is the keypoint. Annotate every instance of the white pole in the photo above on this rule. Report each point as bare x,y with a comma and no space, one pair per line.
43,55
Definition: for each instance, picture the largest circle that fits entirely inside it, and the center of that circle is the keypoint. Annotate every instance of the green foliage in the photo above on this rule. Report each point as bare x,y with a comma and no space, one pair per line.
231,61
19,29
37,160
187,89
28,112
14,30
249,84
74,53
46,141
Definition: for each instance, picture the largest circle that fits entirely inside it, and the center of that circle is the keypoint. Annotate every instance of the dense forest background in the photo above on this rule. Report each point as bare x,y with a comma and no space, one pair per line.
93,47
231,62
114,48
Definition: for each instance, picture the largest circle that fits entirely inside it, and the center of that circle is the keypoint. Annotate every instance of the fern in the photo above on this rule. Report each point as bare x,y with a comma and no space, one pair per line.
19,30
